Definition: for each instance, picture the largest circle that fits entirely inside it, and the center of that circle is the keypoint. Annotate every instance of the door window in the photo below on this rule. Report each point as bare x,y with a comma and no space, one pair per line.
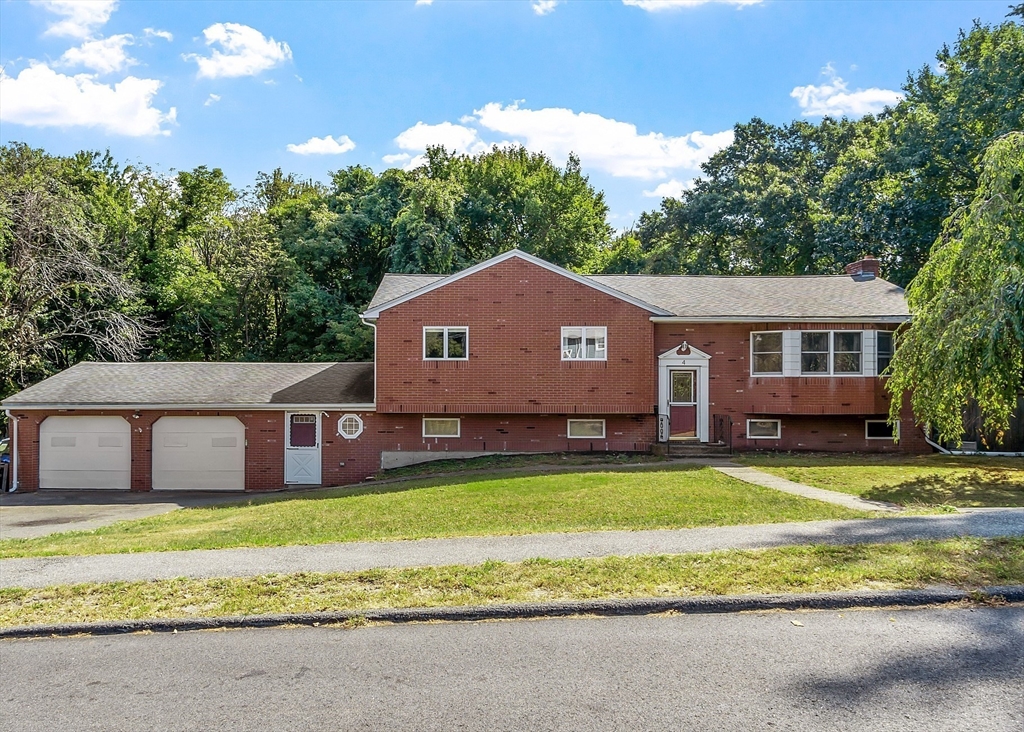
682,387
303,431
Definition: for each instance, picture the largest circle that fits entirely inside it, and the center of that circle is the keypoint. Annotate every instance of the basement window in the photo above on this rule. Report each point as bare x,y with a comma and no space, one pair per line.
764,429
880,429
585,344
442,427
444,343
583,429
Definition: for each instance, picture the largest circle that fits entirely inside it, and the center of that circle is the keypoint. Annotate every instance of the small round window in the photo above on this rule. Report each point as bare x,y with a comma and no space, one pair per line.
350,426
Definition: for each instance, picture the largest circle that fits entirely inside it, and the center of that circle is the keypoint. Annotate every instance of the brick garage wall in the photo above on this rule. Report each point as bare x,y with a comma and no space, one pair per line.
515,311
817,413
264,453
517,433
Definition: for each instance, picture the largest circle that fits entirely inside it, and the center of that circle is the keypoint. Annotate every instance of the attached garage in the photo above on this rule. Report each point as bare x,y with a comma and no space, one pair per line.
198,453
87,452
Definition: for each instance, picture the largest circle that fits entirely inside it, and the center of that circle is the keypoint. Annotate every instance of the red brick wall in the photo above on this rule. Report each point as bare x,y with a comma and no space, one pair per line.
515,311
264,453
817,413
516,433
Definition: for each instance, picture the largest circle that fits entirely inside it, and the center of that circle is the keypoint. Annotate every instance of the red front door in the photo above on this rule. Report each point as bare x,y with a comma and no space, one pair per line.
683,405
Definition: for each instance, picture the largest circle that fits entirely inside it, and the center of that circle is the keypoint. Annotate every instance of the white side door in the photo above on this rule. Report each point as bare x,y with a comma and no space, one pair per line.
302,448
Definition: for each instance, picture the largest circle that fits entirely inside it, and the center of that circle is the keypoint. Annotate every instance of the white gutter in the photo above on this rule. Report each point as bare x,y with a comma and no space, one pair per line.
12,420
364,321
198,407
776,319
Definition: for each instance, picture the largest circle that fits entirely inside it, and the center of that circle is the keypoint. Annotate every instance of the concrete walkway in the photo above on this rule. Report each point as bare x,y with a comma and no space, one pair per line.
44,571
758,477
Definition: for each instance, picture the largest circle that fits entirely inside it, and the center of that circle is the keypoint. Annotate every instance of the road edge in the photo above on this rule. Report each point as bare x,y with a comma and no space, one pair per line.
530,610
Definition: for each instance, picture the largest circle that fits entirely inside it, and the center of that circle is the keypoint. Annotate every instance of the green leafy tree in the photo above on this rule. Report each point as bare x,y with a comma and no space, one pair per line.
966,339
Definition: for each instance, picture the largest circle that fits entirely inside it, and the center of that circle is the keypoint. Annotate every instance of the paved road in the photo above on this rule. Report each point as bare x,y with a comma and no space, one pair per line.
354,556
932,669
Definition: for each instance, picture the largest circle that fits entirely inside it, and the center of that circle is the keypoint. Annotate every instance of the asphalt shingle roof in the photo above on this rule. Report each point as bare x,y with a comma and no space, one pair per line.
698,296
198,383
393,286
764,298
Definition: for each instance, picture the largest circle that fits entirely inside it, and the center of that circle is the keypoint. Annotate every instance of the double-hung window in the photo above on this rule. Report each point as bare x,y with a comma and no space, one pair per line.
587,343
846,351
766,353
883,346
831,352
445,343
814,348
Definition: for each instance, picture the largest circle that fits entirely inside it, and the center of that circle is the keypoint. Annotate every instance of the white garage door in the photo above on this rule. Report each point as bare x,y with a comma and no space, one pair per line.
85,452
198,453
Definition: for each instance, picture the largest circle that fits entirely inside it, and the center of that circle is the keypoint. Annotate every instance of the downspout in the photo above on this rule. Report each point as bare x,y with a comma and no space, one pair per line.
13,421
937,446
364,321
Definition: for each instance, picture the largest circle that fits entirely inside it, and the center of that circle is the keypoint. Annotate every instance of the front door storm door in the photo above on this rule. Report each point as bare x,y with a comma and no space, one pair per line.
683,405
302,449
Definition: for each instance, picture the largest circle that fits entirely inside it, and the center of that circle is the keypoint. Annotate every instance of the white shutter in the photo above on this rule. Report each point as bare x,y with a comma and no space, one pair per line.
868,357
790,353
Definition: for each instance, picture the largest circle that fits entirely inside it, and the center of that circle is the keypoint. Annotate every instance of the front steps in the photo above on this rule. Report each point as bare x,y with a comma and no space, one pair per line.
678,448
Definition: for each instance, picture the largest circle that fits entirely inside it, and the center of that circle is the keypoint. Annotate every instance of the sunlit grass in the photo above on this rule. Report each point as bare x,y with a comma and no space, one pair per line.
656,498
908,481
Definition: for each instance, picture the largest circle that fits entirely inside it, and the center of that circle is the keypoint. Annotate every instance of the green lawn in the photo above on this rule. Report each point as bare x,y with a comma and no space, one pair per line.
966,563
642,498
913,481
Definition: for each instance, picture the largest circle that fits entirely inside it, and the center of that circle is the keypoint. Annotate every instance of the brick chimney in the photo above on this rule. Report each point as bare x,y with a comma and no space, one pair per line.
864,269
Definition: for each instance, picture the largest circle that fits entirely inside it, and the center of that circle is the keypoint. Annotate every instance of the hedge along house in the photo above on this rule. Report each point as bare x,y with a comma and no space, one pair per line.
513,354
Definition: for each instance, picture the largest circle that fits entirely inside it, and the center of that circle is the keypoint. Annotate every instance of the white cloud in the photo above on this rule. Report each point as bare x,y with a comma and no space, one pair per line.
323,146
833,99
104,55
600,142
153,33
453,137
212,99
670,189
424,2
40,97
246,52
543,7
80,17
654,6
399,158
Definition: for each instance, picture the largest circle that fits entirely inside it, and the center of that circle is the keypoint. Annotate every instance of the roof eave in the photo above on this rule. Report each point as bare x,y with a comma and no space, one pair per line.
355,407
374,313
765,318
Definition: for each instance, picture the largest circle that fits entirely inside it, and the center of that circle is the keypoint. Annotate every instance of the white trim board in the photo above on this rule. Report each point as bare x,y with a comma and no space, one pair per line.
199,407
479,267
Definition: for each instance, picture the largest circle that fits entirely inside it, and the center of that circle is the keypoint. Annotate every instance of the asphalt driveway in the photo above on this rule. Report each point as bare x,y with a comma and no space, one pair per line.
29,515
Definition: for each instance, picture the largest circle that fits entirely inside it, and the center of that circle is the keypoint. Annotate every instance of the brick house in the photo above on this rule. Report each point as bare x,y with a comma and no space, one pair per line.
513,354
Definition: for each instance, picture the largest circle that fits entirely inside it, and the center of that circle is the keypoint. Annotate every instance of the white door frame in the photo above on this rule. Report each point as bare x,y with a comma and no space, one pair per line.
290,451
685,357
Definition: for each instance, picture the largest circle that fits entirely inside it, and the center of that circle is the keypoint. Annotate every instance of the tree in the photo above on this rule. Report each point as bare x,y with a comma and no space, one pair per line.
966,339
65,293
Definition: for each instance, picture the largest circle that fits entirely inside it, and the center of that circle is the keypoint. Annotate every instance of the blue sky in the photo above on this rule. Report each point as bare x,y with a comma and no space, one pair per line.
642,90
